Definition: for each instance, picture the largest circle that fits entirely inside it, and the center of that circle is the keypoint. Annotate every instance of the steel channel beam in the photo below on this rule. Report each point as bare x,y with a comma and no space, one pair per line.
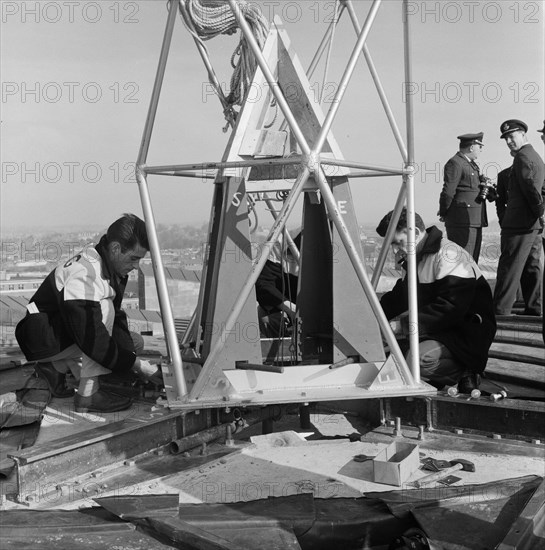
528,528
511,418
41,468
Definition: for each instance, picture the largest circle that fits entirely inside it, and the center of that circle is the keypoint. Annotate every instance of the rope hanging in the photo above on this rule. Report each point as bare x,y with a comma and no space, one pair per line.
206,19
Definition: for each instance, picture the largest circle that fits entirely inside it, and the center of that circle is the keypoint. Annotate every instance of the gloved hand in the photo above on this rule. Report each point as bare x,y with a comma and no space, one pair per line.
147,370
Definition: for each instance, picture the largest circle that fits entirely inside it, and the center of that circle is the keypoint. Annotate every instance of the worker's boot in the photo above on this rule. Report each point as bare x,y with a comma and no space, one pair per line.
56,381
102,402
467,384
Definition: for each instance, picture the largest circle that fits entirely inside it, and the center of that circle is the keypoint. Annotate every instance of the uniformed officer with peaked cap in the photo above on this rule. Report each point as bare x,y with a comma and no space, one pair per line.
513,125
522,225
463,215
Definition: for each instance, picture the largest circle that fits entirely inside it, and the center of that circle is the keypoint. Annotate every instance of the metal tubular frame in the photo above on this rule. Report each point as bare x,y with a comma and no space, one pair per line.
155,250
311,161
409,179
311,164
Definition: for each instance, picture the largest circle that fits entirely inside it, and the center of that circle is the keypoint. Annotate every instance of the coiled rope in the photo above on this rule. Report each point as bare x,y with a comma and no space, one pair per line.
206,19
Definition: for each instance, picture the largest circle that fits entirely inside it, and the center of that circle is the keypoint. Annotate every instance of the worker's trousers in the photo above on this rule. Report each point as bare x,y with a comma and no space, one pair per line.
73,360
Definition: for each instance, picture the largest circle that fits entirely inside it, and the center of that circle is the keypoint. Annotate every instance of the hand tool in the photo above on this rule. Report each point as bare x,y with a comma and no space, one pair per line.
457,464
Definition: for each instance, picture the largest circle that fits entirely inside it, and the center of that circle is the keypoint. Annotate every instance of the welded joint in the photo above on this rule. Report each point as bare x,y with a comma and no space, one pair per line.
312,161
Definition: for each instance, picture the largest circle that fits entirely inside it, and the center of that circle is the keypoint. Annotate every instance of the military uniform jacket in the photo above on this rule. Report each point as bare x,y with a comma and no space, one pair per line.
67,310
502,191
455,305
457,205
525,202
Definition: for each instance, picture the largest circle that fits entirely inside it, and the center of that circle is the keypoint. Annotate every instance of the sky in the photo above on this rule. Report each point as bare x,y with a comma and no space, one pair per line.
77,78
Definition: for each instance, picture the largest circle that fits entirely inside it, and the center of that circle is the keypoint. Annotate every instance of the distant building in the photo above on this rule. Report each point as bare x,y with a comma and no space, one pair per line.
183,289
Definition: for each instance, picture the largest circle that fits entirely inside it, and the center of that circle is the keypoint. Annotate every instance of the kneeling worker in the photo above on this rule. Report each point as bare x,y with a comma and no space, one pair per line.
75,323
455,308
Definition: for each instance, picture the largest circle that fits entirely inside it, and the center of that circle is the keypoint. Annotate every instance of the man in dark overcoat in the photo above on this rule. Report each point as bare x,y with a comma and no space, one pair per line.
459,207
521,225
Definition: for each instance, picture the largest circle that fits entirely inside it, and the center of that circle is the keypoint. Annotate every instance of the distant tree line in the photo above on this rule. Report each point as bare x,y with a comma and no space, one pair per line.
179,237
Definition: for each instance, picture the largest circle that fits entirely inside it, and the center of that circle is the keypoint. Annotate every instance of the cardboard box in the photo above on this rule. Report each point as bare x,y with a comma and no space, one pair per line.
395,464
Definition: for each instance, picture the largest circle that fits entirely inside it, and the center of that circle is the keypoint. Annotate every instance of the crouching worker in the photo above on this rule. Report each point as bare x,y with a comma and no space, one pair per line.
456,319
276,291
75,323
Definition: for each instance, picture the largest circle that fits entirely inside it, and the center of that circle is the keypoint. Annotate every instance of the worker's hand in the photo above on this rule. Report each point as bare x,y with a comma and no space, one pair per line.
400,325
144,368
289,310
400,258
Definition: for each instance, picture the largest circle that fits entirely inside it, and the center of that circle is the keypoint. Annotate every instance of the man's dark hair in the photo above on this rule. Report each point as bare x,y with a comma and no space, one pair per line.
128,231
401,224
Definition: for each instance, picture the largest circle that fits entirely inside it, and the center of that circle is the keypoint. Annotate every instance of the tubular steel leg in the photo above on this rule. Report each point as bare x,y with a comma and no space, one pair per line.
413,301
162,291
166,310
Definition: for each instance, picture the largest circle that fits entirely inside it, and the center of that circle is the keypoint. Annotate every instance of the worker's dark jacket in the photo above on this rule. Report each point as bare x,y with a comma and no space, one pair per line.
69,312
502,192
525,204
274,286
457,204
454,301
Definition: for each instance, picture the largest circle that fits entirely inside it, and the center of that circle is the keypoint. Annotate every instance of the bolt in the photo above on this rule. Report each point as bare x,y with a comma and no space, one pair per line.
474,394
203,449
458,431
229,442
397,430
421,433
536,441
128,462
498,396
